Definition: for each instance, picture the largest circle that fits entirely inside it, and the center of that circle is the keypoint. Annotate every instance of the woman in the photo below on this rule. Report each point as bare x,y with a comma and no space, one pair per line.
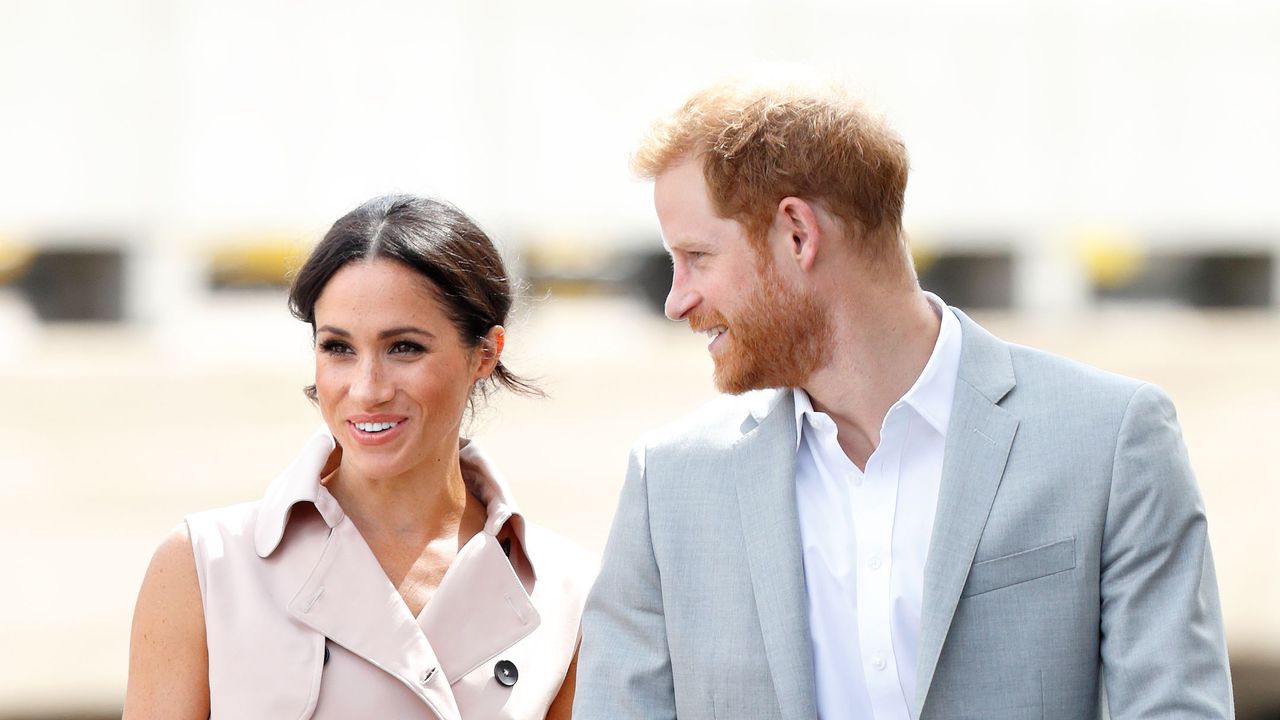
386,573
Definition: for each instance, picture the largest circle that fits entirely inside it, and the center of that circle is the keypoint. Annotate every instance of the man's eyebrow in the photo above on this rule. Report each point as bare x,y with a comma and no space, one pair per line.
686,245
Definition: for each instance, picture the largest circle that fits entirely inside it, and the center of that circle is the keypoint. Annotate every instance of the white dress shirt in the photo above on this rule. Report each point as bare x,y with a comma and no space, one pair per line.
866,536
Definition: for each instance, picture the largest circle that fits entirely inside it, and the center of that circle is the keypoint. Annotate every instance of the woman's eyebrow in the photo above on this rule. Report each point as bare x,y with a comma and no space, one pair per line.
391,332
404,330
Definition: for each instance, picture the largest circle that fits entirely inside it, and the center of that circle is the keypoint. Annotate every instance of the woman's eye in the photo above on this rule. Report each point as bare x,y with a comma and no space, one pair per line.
335,347
405,347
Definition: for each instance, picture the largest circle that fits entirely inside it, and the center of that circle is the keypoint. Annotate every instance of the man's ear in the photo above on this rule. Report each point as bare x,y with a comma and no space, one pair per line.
797,220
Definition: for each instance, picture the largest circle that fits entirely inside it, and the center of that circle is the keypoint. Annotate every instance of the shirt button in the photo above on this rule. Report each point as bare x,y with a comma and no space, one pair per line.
875,562
877,661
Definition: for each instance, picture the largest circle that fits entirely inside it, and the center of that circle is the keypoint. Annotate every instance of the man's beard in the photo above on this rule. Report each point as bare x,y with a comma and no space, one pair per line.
778,338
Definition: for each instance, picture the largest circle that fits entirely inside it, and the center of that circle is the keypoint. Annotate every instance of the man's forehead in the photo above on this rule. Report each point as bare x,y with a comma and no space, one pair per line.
680,185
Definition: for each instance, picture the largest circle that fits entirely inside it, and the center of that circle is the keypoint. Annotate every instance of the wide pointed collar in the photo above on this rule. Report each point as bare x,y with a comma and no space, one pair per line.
297,483
487,485
300,483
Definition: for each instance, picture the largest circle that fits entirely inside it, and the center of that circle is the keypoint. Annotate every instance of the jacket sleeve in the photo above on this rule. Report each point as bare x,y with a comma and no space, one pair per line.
624,666
1163,650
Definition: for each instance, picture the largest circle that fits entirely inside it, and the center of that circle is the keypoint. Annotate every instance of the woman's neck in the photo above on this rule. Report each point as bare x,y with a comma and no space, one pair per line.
428,503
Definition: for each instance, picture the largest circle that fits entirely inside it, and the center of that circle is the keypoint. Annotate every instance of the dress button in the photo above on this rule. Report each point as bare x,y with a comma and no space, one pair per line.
426,676
877,661
875,562
506,673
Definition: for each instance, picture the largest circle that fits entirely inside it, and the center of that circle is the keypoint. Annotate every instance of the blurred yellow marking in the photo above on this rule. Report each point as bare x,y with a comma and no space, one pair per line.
922,255
15,258
563,254
266,259
1111,259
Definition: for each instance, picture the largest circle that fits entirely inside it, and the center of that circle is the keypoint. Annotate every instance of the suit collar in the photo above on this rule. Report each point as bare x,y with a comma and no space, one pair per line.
977,448
762,403
985,362
763,462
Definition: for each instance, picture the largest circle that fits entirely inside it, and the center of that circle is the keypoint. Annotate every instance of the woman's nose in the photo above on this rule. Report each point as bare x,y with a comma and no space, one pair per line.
372,385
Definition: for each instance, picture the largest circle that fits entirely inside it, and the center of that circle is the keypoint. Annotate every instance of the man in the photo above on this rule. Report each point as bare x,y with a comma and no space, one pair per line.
918,520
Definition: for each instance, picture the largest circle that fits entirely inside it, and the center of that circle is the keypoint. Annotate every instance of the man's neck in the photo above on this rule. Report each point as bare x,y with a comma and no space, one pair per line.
880,349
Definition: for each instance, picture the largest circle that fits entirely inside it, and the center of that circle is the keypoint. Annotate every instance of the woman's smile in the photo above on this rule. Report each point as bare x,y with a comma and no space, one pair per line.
380,431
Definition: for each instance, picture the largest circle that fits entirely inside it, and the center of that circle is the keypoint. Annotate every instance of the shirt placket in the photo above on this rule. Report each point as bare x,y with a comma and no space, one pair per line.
841,682
874,502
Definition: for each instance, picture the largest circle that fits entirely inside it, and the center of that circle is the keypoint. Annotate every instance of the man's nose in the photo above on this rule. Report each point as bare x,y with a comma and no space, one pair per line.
680,300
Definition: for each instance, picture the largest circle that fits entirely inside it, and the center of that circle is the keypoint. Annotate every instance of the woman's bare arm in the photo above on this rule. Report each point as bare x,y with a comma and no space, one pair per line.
168,658
562,707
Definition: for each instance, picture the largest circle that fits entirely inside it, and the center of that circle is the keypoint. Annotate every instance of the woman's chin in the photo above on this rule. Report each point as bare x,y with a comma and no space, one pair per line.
374,465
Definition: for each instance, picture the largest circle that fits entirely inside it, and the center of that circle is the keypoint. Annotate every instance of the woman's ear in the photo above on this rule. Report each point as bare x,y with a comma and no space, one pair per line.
491,351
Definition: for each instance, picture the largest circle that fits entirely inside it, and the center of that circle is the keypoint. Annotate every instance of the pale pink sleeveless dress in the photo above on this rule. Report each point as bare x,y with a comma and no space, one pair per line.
286,578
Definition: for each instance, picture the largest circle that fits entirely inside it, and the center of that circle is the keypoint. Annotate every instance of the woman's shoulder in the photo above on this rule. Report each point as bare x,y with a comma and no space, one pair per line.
231,520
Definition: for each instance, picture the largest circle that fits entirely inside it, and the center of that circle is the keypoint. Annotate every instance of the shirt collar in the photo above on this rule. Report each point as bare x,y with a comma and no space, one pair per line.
931,394
933,391
804,409
300,482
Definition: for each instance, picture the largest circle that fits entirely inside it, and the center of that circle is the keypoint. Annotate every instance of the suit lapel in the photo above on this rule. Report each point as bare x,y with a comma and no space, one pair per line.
764,465
348,598
978,441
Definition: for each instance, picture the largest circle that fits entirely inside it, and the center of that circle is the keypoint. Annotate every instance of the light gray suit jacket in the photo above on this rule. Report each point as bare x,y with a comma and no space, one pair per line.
1069,554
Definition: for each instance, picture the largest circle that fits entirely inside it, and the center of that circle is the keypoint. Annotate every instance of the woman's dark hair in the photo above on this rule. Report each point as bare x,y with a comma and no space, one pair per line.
436,240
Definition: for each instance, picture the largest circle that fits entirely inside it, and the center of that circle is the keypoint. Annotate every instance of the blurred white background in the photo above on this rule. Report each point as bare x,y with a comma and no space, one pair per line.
1095,178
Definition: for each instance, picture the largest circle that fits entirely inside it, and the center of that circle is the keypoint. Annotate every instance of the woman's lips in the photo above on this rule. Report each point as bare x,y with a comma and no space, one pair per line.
372,434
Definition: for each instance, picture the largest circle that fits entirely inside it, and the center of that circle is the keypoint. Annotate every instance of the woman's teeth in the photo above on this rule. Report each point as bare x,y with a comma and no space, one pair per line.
375,427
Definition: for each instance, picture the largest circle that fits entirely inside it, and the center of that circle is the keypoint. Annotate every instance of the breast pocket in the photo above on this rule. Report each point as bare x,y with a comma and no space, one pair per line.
1020,567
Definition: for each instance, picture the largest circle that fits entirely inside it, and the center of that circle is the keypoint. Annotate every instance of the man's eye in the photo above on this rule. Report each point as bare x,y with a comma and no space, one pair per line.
335,347
405,347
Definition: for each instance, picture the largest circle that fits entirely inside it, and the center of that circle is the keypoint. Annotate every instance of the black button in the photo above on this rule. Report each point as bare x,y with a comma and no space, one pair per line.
506,672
